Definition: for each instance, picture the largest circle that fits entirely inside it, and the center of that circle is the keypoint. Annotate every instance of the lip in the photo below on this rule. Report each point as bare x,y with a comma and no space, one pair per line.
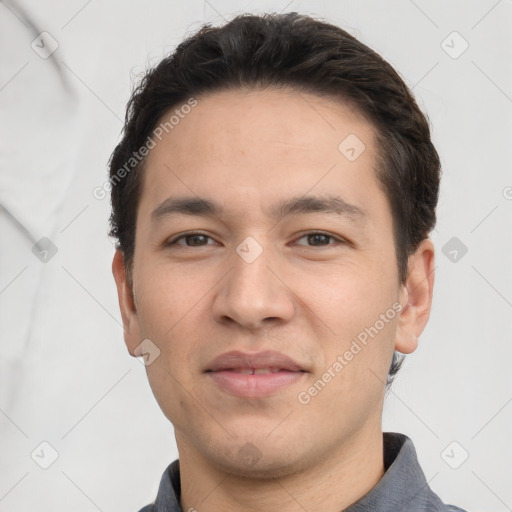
225,371
257,360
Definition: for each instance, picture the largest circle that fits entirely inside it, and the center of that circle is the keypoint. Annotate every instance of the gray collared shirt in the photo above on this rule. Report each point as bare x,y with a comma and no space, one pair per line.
402,488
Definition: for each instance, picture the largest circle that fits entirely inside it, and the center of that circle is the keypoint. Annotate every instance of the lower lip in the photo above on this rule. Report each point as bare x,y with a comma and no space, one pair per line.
257,385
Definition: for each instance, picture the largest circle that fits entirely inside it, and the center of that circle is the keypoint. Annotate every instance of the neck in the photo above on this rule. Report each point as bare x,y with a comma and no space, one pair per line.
331,484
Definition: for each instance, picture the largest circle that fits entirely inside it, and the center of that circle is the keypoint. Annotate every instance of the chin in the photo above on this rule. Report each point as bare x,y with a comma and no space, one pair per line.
260,457
264,468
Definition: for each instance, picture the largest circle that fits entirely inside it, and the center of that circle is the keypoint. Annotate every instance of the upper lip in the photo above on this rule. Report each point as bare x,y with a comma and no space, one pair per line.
267,359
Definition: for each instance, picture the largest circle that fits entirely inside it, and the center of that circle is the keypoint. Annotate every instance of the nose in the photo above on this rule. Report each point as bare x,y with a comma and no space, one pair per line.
254,294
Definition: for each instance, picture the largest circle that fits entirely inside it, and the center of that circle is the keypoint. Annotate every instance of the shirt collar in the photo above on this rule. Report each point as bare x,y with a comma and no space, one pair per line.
403,486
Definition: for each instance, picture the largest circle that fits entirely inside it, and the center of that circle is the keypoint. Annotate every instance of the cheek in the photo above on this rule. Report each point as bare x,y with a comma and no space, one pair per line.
346,297
166,298
168,315
352,309
173,392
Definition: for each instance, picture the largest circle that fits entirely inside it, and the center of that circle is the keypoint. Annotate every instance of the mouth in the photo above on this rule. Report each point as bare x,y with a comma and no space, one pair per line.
252,375
254,371
254,382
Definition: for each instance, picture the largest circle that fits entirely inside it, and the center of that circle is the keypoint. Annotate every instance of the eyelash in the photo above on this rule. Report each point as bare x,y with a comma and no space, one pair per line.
198,233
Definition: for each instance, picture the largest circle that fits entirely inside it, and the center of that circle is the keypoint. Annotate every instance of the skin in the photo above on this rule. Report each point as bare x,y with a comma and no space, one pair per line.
308,298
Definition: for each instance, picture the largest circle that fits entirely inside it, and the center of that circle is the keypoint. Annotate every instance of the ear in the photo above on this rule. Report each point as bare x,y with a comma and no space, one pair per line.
416,298
132,336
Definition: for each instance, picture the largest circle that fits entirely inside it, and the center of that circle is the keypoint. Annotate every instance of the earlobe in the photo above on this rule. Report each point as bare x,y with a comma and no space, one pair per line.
126,303
416,298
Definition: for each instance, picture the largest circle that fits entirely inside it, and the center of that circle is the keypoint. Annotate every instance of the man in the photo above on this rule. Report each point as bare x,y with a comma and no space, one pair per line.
272,199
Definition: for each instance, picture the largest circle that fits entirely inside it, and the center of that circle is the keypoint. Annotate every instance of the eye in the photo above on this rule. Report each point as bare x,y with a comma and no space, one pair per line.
191,240
319,239
313,239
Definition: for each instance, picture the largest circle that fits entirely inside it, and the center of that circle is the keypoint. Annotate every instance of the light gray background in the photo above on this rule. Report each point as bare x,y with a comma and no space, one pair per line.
65,375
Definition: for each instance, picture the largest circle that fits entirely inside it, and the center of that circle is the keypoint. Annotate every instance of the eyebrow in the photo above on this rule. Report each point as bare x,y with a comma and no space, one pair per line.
198,206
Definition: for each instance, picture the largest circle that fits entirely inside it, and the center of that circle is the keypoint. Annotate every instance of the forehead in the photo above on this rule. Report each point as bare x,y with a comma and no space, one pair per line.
260,146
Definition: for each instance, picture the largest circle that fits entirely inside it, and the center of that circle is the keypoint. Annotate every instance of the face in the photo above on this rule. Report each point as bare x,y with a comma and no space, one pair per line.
291,251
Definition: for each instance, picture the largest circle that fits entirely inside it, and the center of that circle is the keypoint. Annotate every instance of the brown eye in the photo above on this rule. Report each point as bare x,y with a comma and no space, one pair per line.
195,239
191,240
319,239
